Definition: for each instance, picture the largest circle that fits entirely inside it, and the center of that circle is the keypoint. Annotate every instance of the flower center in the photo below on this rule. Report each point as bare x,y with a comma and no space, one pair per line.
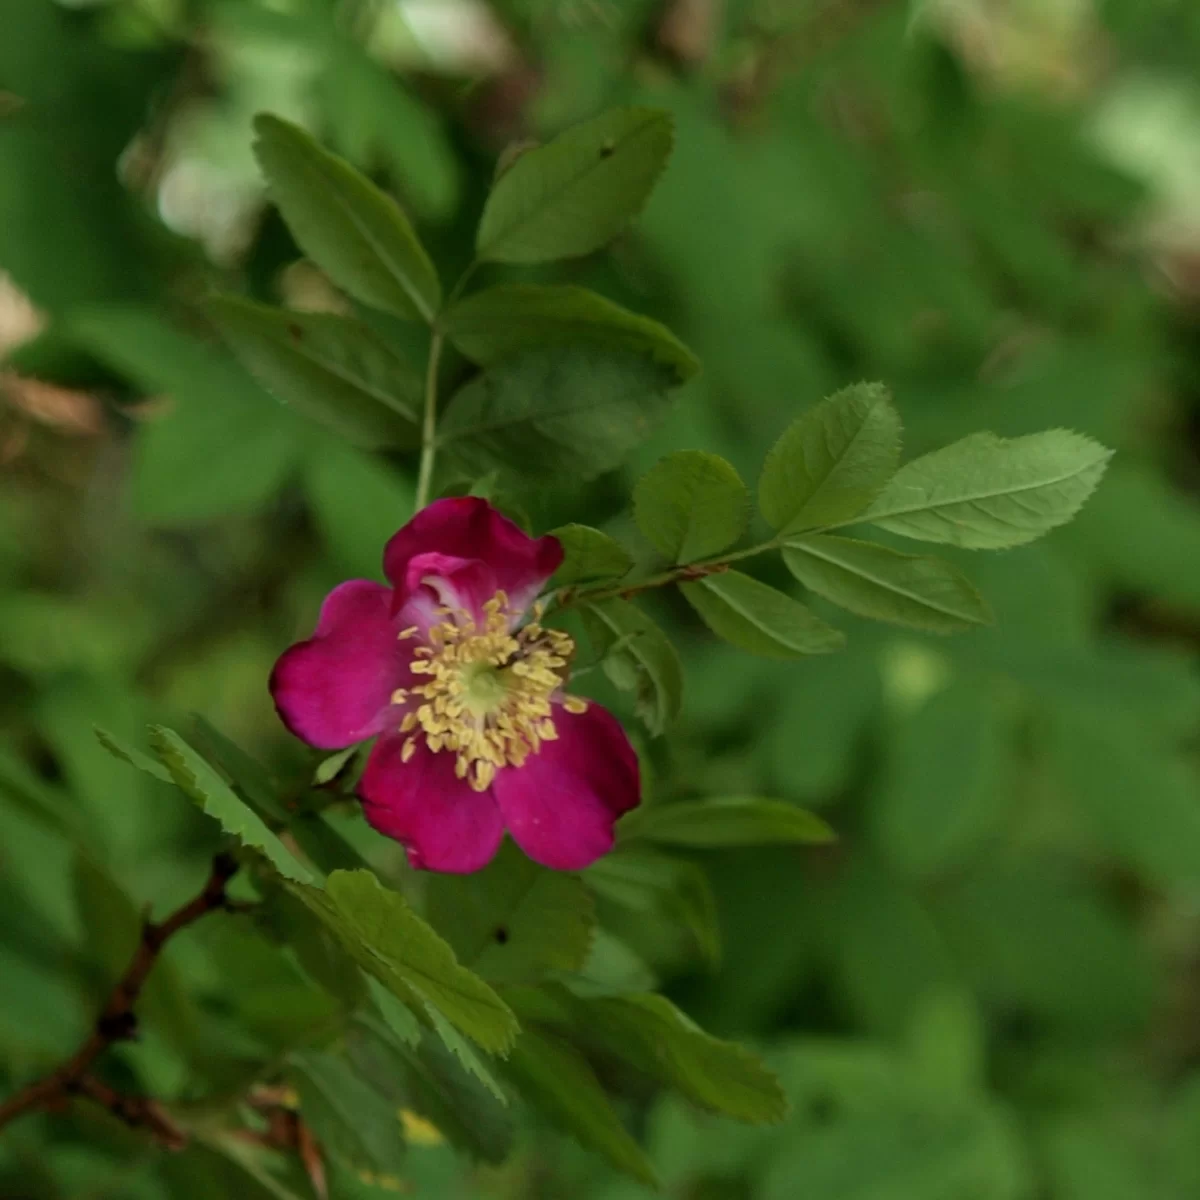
488,688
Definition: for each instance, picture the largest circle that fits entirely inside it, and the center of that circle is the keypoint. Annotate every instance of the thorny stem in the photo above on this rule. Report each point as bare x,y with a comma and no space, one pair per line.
429,425
118,1022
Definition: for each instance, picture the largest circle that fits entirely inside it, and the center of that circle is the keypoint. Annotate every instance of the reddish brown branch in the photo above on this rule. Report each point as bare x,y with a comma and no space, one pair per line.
118,1022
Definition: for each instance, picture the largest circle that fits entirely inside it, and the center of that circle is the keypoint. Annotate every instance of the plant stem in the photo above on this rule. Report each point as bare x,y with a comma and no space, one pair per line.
429,425
684,573
118,1022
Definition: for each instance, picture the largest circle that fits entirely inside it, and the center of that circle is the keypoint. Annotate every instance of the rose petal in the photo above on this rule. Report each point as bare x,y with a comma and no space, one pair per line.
440,581
336,688
561,805
469,527
439,819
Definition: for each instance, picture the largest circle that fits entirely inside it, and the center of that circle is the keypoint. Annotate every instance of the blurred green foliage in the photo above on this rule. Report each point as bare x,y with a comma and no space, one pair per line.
987,987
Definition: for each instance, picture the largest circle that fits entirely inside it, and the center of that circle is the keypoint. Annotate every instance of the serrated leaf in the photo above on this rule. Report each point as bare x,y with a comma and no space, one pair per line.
724,821
556,1079
989,493
652,1035
354,232
691,505
426,1077
331,368
654,662
876,582
388,940
250,777
576,193
589,554
543,415
514,921
131,755
758,618
832,461
202,784
352,1121
452,1041
501,321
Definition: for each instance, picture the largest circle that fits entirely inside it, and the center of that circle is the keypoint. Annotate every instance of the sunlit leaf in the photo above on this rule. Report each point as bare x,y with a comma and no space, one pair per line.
990,493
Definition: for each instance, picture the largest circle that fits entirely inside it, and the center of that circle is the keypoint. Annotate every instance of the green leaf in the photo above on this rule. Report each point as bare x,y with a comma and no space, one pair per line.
652,1035
885,585
354,232
501,321
246,774
514,921
133,756
654,661
556,1079
451,1041
691,505
576,193
331,368
589,554
202,784
988,493
351,1120
832,461
727,821
423,1075
566,414
388,940
646,882
759,619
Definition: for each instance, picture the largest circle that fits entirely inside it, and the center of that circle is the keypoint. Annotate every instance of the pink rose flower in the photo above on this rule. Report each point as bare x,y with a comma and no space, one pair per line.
464,688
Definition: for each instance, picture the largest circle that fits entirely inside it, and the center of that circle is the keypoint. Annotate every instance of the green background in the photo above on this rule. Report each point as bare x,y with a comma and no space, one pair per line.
988,987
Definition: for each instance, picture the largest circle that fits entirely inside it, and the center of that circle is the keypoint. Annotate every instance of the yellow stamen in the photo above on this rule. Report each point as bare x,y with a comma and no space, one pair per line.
488,689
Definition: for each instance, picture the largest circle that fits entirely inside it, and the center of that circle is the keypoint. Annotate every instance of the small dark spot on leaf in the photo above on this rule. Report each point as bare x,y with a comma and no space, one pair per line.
608,150
501,935
295,331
